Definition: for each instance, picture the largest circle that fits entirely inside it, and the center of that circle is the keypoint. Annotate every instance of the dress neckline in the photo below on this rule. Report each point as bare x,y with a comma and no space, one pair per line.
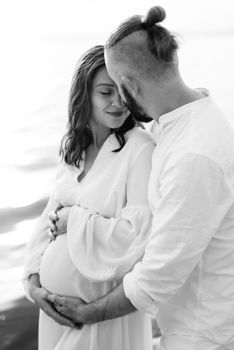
84,178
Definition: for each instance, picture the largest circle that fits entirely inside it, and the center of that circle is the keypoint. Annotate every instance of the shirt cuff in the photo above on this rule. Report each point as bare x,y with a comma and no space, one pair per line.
141,302
26,290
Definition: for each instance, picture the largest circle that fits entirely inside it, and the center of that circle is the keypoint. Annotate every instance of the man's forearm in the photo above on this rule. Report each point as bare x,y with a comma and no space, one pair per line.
112,305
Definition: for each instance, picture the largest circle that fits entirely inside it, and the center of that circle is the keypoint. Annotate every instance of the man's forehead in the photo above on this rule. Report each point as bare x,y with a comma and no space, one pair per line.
109,57
113,69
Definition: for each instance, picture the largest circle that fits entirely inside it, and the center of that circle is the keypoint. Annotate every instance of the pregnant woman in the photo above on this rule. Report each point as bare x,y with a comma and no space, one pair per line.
101,185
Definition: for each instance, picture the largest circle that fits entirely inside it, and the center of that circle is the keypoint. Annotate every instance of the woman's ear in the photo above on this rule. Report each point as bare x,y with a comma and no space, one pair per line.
131,84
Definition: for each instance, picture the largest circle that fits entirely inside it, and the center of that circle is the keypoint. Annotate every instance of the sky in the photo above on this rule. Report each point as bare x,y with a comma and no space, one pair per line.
35,17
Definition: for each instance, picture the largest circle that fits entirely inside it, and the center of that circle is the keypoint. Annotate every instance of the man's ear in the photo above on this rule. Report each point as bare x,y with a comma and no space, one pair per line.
131,84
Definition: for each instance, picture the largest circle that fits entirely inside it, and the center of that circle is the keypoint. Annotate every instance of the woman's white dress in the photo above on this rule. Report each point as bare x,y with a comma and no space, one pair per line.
106,235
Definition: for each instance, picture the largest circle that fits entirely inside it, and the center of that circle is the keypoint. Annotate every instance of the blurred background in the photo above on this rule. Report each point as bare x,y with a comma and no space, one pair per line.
41,42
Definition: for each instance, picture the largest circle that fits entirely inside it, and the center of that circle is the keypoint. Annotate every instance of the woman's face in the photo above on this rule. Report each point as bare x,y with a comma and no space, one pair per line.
108,109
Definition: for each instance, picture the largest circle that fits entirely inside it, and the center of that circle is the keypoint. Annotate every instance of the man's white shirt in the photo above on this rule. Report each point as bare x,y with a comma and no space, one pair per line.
186,277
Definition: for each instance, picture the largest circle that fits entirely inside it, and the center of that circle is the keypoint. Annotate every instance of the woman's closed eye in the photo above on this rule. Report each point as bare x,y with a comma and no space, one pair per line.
106,93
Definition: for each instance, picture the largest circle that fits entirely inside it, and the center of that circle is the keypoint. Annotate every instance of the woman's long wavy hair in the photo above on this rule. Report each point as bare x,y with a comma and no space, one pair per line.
78,136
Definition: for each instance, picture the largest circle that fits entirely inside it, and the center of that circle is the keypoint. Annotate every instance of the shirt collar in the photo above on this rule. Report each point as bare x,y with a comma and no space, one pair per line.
186,109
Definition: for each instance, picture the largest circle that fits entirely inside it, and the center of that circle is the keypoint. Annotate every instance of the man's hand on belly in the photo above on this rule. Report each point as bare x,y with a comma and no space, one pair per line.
72,308
112,305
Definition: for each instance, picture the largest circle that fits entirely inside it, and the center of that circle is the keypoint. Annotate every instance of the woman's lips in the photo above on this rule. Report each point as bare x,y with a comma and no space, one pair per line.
116,114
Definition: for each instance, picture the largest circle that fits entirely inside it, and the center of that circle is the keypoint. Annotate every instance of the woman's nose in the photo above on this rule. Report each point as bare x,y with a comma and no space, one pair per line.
117,101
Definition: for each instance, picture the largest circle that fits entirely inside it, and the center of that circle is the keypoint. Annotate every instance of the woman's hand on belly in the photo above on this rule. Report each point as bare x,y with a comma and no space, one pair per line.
58,223
41,297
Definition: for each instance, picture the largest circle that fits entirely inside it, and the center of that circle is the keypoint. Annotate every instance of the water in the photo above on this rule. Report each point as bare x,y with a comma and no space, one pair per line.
35,122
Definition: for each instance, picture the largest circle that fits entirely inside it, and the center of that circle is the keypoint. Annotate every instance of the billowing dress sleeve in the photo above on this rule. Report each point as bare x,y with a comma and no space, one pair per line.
103,248
38,242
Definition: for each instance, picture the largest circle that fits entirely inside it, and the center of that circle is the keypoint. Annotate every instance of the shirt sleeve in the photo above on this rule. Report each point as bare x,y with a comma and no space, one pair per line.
194,199
106,248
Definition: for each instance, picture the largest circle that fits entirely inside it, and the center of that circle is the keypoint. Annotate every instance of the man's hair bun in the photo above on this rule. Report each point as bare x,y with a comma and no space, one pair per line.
160,42
154,15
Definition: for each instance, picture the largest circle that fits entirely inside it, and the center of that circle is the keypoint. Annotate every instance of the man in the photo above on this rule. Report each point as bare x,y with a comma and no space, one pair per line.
186,277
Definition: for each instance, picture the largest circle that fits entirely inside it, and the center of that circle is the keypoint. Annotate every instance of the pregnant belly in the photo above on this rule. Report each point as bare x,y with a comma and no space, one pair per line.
59,275
57,269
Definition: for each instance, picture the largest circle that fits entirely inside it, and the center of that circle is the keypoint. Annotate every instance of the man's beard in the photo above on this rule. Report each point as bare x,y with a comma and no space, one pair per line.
134,107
